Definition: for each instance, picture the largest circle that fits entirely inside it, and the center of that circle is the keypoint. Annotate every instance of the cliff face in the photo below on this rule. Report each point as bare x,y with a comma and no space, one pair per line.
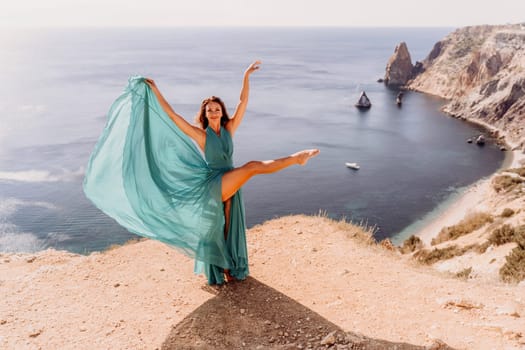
481,70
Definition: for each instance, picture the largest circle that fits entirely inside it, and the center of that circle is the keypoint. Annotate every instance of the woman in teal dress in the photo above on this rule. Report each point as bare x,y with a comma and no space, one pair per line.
164,178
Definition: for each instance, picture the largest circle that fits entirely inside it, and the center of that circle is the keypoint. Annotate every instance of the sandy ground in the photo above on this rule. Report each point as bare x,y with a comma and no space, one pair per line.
309,277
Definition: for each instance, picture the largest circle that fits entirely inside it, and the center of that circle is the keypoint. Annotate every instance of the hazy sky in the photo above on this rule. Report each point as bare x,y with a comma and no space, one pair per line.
455,13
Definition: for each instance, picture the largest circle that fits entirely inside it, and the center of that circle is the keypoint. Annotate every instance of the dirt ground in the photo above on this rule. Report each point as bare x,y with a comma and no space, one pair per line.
314,283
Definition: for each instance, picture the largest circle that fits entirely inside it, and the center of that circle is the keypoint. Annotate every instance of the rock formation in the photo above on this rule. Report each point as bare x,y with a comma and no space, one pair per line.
481,70
399,67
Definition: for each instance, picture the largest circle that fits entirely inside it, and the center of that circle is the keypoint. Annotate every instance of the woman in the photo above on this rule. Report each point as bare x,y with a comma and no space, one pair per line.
168,190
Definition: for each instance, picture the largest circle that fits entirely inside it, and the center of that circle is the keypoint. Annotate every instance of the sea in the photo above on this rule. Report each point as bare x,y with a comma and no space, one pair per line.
58,85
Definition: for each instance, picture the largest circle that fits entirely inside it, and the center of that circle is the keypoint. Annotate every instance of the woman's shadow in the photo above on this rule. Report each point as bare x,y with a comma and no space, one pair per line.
252,315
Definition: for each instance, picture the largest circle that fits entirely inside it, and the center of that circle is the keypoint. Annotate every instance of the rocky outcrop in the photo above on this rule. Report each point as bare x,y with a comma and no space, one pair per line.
481,70
399,67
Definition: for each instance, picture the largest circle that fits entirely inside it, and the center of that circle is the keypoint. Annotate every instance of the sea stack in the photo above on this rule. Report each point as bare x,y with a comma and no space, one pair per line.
399,67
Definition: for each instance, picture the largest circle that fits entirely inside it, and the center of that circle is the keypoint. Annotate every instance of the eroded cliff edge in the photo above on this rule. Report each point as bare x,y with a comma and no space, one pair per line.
481,71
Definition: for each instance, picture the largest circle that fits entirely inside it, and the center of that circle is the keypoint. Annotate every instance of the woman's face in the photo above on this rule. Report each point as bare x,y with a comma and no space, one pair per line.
213,111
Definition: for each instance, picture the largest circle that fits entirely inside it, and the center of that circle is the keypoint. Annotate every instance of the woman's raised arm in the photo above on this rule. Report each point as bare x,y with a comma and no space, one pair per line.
236,119
192,131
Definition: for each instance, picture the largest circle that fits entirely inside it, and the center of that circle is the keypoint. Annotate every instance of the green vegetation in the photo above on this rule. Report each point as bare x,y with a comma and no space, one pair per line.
471,223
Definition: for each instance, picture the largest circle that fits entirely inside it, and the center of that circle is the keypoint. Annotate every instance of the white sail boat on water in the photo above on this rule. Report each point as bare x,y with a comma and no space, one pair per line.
354,166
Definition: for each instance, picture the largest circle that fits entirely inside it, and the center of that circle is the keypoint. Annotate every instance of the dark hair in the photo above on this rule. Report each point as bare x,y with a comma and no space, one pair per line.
201,116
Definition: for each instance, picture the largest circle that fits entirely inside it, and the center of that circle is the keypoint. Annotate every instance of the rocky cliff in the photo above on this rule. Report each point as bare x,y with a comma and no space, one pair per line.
481,70
399,68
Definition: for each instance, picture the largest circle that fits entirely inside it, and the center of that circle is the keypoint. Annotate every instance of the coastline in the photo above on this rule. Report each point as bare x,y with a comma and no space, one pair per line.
475,196
459,204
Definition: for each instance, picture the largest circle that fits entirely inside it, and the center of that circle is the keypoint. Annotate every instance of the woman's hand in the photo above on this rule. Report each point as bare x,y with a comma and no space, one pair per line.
150,83
252,68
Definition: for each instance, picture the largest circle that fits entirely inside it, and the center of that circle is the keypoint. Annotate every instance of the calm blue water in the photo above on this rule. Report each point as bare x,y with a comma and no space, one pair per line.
59,84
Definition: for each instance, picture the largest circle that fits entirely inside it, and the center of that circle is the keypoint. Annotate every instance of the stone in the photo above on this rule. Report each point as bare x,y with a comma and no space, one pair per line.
329,339
35,333
437,344
399,67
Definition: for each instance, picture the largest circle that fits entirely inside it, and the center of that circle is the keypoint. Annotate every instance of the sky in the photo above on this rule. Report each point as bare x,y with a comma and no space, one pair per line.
161,13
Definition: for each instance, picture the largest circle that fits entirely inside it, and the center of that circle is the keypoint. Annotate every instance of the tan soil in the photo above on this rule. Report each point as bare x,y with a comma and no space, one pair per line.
310,276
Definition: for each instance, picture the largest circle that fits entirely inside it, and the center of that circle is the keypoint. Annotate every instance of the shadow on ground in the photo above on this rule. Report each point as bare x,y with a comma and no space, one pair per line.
251,315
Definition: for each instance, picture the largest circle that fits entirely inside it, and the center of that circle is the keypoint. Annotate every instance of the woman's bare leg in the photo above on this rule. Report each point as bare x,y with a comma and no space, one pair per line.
233,180
227,209
227,218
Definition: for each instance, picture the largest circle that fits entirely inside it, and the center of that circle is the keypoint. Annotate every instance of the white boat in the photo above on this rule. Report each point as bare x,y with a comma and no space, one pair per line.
352,166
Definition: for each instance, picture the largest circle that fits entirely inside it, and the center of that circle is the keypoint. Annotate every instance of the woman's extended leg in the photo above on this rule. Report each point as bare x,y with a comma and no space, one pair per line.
233,180
227,221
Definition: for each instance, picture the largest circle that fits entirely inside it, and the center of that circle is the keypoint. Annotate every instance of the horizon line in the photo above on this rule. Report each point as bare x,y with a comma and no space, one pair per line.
314,26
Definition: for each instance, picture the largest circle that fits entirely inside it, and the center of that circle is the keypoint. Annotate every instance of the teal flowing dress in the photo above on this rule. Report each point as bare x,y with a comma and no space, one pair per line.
155,181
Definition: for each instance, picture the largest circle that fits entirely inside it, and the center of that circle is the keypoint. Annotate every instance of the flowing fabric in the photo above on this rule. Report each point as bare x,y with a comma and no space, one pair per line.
153,180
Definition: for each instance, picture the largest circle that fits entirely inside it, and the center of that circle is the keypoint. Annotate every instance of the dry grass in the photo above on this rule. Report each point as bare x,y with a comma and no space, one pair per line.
411,244
505,183
361,231
131,241
387,244
464,274
471,223
482,248
502,235
519,171
514,268
507,213
430,257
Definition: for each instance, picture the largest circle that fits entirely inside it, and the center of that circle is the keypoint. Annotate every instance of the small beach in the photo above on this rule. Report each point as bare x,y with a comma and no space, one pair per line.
476,198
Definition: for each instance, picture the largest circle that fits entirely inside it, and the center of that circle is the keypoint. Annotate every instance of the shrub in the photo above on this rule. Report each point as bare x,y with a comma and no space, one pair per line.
411,244
502,235
507,213
519,171
430,257
514,268
505,182
387,244
464,274
464,227
482,248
